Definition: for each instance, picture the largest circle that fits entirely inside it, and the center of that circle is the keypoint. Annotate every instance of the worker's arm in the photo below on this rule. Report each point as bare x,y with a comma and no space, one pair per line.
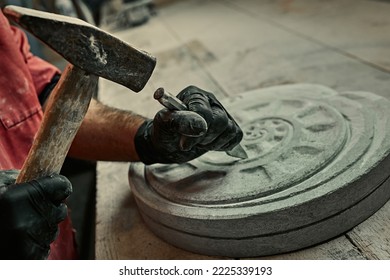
171,137
106,134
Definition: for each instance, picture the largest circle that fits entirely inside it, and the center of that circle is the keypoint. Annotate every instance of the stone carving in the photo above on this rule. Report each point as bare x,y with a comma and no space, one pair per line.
317,165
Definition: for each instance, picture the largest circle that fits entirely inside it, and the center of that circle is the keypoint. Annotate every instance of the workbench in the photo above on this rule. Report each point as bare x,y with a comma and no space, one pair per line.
230,47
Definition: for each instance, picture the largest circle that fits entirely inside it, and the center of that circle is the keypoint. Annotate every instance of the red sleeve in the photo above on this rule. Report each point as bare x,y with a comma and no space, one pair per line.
41,71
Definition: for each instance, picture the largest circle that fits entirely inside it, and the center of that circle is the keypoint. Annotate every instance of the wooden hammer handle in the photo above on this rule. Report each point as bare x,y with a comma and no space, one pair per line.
64,112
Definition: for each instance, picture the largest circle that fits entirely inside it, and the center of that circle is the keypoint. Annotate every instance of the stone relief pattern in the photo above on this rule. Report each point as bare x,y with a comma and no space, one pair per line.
311,154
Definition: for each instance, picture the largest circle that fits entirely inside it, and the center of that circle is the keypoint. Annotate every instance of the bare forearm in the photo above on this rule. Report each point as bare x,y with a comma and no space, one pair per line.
107,134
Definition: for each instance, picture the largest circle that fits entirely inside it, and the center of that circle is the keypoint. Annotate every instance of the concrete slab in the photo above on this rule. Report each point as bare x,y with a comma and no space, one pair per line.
317,167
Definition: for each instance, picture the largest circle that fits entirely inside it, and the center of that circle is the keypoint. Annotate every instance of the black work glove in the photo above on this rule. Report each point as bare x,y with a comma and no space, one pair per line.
180,136
29,214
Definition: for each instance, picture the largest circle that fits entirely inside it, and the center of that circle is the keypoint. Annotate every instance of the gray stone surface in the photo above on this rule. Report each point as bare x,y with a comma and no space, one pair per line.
318,165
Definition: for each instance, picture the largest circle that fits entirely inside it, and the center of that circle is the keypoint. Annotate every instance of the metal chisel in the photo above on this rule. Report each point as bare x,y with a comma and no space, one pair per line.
173,103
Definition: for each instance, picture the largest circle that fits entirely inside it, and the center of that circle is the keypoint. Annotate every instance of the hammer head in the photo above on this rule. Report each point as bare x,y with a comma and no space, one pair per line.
87,47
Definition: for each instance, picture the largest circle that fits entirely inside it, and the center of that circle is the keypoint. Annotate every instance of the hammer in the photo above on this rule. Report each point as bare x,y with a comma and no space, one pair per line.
91,52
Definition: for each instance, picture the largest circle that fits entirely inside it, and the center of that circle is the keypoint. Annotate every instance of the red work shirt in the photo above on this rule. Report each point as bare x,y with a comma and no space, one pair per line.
22,77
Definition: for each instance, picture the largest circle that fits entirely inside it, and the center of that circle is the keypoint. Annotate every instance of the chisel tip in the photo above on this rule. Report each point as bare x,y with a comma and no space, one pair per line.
238,152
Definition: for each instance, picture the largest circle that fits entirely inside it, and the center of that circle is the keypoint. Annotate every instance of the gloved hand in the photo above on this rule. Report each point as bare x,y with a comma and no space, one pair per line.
180,136
29,214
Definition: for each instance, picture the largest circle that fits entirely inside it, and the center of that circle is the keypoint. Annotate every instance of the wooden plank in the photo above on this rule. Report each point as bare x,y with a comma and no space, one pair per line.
372,237
356,30
120,231
228,51
110,210
251,52
176,69
337,249
355,27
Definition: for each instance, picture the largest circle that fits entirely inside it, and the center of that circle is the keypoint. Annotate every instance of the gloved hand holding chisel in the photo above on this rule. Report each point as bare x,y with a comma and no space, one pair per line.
179,134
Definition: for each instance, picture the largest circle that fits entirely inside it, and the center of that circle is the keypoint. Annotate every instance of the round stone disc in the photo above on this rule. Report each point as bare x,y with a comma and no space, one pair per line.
317,166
